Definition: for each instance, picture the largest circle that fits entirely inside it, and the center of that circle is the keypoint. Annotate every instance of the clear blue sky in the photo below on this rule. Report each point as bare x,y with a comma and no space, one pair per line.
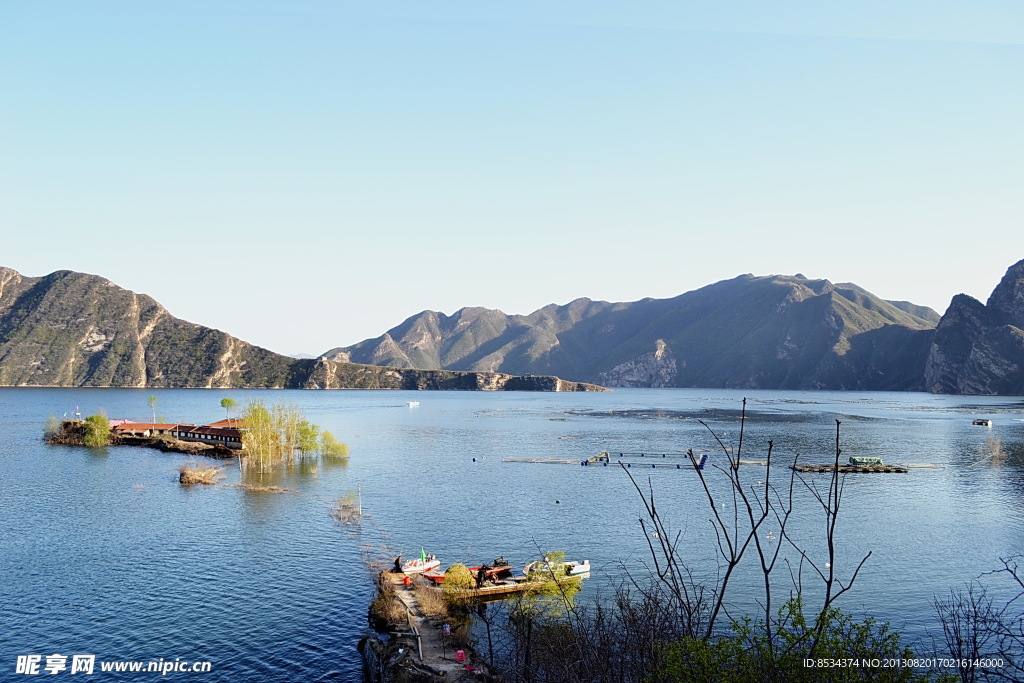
307,174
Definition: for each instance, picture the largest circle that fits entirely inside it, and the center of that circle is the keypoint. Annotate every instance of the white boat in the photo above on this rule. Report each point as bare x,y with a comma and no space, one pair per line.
567,568
412,404
423,563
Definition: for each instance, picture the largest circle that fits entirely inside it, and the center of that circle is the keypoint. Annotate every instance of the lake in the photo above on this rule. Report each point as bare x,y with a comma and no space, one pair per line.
103,553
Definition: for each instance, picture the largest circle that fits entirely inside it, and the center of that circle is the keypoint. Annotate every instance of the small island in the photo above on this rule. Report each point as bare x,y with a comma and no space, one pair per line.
262,437
220,439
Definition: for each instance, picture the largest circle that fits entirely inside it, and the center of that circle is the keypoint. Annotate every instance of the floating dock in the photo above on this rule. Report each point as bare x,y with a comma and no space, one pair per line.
850,469
676,461
546,461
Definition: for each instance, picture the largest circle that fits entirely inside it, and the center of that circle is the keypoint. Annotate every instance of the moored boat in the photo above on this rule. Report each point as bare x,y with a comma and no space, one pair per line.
423,563
566,569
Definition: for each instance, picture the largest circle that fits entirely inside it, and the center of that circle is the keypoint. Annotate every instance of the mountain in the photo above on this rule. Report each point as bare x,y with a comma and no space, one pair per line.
71,329
769,332
979,348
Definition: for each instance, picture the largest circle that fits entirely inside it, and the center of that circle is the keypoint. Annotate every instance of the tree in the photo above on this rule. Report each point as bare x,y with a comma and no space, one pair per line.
228,404
330,447
308,437
457,581
152,405
260,440
97,431
52,427
274,435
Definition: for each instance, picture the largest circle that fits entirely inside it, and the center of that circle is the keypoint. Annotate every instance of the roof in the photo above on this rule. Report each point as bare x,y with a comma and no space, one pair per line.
229,423
142,426
213,431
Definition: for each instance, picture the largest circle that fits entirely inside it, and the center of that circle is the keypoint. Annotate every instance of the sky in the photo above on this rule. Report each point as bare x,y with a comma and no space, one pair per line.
306,174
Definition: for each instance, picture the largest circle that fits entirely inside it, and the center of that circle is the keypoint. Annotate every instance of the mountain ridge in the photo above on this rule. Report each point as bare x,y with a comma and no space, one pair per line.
70,329
774,331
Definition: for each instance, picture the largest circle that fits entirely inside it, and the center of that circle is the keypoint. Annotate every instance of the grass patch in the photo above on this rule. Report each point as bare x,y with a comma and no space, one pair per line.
386,611
431,600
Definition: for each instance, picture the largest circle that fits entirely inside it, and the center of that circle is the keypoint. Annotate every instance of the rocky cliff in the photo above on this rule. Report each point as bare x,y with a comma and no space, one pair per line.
748,332
72,329
979,348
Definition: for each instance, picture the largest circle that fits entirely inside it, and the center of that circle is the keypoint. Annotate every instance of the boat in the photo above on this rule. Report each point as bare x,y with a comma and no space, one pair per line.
423,563
497,571
412,404
982,423
435,576
567,568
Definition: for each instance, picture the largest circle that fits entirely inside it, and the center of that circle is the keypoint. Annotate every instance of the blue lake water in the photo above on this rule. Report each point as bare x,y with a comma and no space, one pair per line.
102,552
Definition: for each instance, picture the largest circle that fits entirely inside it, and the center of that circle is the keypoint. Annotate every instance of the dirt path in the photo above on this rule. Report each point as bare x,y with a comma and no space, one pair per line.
438,650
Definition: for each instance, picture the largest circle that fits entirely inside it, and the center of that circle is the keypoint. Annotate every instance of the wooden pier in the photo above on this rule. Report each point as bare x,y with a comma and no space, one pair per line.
496,589
519,584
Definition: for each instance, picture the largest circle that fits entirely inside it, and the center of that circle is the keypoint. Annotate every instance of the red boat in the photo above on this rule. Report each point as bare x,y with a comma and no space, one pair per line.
490,573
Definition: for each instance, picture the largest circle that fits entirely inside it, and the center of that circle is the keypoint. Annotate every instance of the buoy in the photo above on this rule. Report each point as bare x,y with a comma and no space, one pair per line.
406,581
460,655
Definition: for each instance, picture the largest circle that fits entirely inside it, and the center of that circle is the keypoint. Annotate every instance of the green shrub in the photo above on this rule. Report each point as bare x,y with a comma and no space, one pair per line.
97,431
751,655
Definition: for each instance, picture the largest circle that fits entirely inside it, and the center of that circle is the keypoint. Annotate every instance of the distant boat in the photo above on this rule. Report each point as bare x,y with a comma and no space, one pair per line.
412,404
567,568
982,423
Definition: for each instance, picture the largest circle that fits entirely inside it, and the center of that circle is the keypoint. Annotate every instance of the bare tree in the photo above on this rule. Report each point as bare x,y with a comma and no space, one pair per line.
986,638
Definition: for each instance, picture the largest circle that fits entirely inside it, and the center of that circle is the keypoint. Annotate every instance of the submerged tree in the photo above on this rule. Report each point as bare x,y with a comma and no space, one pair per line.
308,437
333,449
260,440
279,434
